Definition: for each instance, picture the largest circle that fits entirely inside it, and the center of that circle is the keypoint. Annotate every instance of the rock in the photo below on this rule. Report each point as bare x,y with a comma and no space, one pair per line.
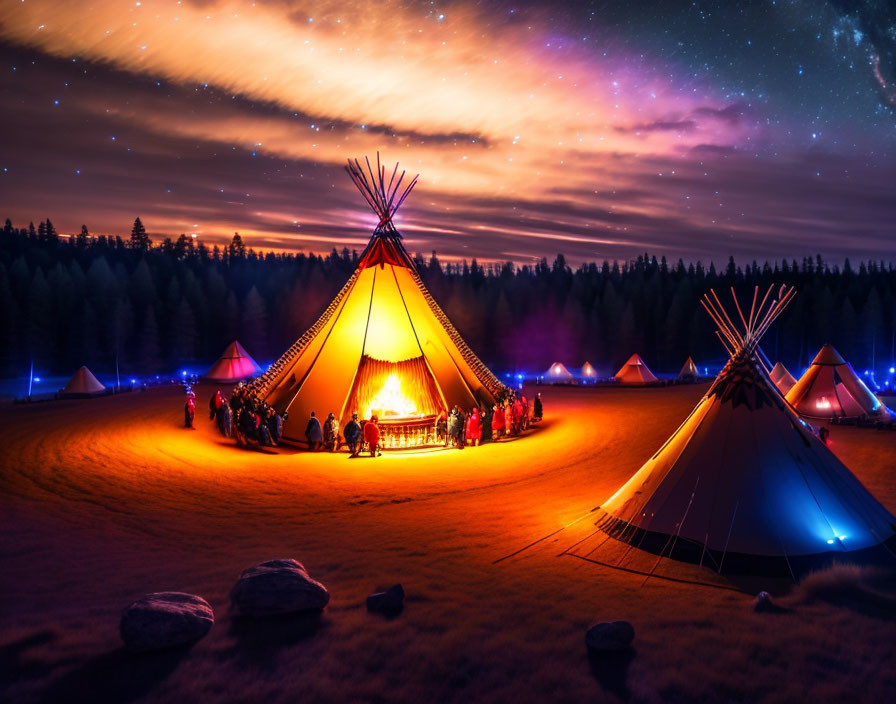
277,587
390,601
610,636
763,604
165,620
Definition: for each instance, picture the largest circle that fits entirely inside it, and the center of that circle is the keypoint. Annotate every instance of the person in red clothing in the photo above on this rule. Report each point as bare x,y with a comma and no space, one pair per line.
508,417
498,421
372,436
189,410
474,427
517,413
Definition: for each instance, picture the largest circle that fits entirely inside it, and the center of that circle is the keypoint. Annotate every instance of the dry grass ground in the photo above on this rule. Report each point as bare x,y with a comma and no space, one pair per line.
103,500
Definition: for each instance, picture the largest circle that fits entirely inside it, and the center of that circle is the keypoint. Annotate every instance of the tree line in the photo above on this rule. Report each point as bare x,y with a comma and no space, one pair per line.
150,308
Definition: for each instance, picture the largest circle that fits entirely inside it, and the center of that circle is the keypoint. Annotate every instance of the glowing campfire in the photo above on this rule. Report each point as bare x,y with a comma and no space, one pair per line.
391,401
823,403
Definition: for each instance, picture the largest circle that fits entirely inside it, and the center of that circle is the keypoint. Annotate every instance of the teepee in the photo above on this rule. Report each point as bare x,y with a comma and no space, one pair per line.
588,372
782,378
635,372
234,365
688,371
557,373
383,346
831,389
83,383
744,486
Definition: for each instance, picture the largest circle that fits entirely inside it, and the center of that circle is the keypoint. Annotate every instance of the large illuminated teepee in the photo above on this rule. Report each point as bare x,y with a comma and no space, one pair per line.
744,486
383,346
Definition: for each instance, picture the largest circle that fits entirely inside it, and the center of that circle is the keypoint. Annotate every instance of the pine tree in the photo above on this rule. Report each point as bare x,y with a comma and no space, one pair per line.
140,241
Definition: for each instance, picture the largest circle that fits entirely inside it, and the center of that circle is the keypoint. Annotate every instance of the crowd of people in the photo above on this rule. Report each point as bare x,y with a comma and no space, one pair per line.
242,417
252,422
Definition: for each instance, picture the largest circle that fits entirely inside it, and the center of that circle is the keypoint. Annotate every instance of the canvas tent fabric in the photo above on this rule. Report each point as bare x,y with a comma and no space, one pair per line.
688,371
588,371
831,389
557,373
83,383
383,327
782,378
235,364
745,487
635,372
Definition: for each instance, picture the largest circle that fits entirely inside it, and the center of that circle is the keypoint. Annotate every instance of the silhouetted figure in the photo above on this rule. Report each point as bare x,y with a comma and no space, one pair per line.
538,409
189,410
275,425
331,433
353,435
225,420
314,433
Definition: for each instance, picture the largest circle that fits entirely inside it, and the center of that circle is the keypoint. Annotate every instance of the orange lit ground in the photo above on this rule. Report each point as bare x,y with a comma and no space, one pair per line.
103,500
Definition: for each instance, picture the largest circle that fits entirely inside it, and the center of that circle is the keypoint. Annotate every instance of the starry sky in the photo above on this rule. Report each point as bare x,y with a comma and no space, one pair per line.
600,130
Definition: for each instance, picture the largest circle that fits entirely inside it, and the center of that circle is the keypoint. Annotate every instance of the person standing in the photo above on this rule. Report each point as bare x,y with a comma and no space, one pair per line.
331,433
314,433
372,436
225,420
189,410
498,421
538,409
275,425
486,420
353,435
474,427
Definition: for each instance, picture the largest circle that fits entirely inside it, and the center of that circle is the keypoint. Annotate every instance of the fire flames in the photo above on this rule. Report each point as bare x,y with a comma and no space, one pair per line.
391,401
823,403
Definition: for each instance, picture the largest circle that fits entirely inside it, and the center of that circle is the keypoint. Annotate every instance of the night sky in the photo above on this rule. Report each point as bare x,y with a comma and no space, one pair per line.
600,130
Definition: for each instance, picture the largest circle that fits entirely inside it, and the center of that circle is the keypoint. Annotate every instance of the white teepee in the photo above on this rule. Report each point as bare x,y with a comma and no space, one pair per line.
557,373
83,383
744,486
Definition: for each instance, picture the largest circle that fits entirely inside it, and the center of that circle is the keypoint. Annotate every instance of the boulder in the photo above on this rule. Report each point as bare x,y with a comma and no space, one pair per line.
390,601
165,620
277,587
610,636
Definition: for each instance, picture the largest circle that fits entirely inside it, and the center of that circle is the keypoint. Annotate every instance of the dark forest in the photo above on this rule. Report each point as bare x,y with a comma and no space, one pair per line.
68,301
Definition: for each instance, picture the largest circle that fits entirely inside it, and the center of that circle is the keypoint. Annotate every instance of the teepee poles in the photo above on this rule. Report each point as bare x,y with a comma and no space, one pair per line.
383,199
754,326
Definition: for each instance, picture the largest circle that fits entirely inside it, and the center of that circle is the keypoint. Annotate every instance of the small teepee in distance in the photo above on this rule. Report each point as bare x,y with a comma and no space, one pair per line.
744,486
83,383
383,346
635,372
688,371
589,373
557,373
234,365
831,389
782,378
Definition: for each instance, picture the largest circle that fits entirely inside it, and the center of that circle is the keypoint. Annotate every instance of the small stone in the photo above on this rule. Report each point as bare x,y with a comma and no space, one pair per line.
277,587
165,620
390,601
610,636
763,604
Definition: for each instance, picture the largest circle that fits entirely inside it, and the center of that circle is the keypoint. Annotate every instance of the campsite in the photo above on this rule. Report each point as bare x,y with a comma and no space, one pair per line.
447,351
